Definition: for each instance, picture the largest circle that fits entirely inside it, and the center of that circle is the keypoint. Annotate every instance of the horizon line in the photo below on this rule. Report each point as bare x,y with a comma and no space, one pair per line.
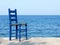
45,14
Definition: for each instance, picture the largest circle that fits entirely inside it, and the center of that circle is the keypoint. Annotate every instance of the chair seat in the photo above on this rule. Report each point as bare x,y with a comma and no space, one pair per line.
18,24
14,24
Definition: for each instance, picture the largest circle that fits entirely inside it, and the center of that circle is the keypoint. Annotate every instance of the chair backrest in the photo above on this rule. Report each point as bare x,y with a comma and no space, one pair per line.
13,16
12,20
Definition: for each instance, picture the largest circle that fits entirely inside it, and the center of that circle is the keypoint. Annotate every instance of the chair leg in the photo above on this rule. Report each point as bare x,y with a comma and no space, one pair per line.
26,32
10,33
16,32
19,32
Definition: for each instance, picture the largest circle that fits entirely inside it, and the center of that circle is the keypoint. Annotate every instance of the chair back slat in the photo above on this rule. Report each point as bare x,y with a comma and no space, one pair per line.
13,15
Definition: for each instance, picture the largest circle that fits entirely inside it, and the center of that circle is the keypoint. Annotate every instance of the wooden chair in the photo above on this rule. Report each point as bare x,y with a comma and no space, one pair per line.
13,22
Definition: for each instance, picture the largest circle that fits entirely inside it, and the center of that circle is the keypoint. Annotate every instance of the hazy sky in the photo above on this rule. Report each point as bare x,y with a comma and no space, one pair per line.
31,7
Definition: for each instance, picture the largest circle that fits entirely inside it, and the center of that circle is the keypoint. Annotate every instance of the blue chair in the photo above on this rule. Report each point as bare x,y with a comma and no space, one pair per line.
13,22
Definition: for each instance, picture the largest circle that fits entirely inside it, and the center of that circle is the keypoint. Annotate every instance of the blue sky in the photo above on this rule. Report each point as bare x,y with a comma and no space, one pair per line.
31,7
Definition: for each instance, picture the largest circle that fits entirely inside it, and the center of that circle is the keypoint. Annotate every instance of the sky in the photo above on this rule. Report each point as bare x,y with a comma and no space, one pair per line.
31,7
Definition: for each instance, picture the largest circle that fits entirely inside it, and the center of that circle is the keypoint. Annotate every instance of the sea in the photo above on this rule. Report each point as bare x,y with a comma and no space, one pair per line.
37,25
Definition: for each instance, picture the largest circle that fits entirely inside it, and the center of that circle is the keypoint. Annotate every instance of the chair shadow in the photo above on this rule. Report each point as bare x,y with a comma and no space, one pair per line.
28,43
21,43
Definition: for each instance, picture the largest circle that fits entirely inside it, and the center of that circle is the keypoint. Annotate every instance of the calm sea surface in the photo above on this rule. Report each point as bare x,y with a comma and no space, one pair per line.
38,26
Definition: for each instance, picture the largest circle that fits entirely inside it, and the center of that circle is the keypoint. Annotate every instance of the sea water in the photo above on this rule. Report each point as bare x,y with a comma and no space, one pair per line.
38,25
